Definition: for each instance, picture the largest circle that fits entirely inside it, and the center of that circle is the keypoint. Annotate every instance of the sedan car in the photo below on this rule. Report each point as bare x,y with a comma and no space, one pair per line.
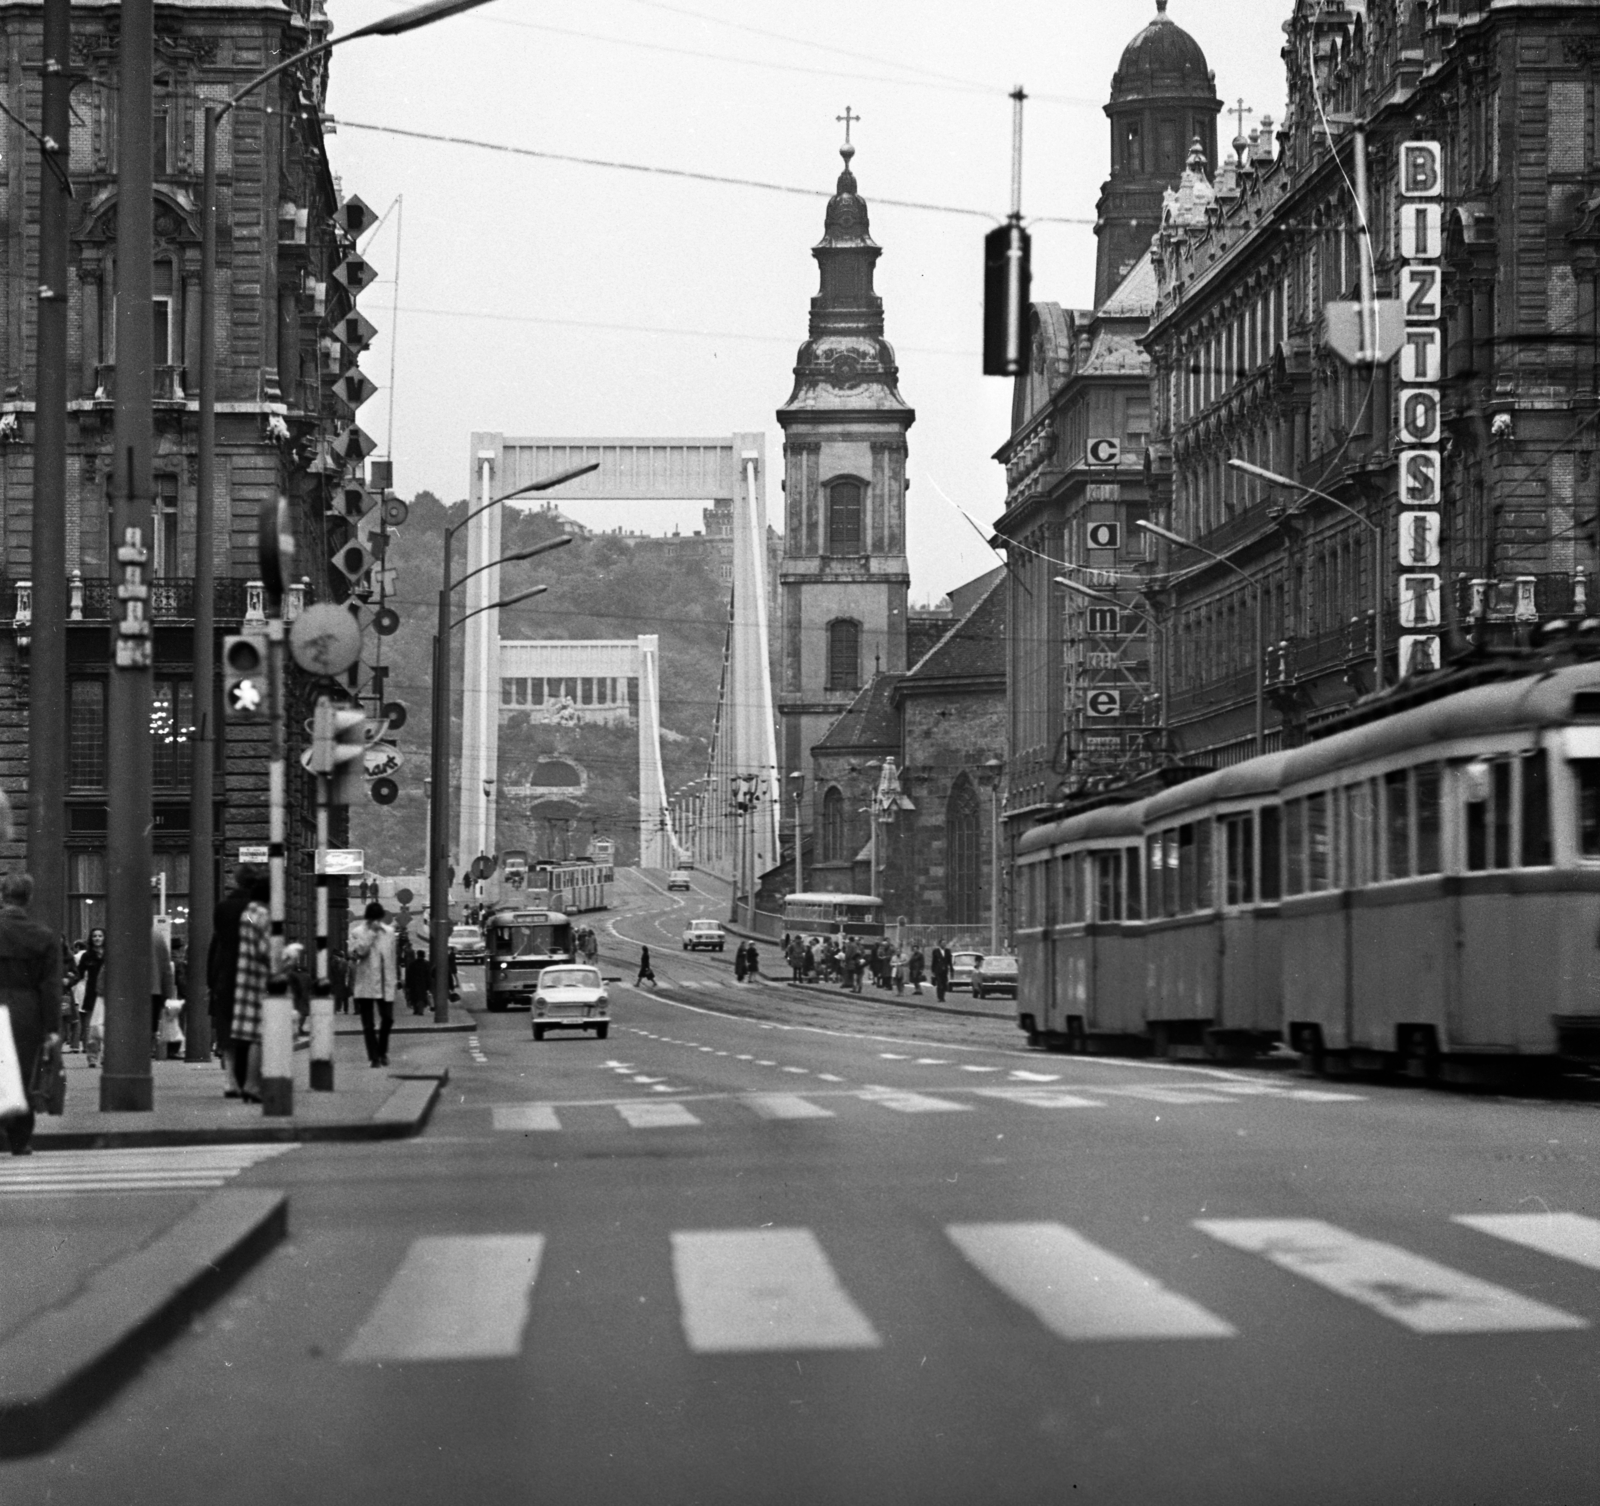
962,967
995,975
678,879
466,942
571,997
704,935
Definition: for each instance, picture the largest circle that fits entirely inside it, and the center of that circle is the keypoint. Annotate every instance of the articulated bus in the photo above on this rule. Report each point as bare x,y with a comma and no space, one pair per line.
833,915
1419,893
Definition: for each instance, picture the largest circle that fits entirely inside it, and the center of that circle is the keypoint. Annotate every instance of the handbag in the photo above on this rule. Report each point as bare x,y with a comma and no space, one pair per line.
49,1093
13,1099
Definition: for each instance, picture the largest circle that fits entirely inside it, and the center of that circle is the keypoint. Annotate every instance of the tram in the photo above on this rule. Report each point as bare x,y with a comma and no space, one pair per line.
1417,893
574,886
833,915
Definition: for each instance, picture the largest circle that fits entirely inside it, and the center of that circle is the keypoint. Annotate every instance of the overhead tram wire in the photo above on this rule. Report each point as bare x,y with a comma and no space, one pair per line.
677,172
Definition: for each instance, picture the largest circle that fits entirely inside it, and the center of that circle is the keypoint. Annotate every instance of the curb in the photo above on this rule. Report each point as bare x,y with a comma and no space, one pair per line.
400,1029
61,1365
898,1003
403,1113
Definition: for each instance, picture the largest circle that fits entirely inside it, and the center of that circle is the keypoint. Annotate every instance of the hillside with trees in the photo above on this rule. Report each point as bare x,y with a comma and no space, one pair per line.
602,586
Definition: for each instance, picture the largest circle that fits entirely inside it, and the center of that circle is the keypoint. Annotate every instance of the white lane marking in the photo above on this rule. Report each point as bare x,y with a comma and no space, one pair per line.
744,1056
525,1116
803,1071
747,1291
1040,1098
179,1168
829,1077
931,1061
663,1088
766,1064
707,1048
647,1080
655,1115
1020,1076
475,1050
980,1069
910,1103
1078,1290
787,1106
1421,1294
1164,1095
894,1056
455,1297
1567,1236
1317,1095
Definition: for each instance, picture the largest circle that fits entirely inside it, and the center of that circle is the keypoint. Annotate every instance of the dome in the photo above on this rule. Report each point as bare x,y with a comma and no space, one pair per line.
1162,59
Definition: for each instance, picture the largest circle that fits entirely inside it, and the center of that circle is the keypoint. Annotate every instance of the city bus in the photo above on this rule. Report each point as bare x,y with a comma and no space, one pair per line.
833,915
521,943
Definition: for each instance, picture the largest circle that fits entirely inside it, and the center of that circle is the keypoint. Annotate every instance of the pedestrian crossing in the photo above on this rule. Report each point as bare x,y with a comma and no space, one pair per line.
176,1168
776,1290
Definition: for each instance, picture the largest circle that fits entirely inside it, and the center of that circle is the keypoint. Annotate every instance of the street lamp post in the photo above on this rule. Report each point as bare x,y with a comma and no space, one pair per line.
1374,524
798,782
439,759
994,767
202,819
1260,593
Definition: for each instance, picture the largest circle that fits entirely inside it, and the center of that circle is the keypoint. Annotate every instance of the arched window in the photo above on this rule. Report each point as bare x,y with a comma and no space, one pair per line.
844,518
963,835
844,655
833,826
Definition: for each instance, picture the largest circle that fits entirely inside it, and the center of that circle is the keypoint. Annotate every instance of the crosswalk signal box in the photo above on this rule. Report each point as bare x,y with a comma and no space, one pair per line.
244,677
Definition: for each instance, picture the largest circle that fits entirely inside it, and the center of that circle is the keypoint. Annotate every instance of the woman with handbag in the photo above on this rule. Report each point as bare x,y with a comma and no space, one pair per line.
91,1008
251,975
30,991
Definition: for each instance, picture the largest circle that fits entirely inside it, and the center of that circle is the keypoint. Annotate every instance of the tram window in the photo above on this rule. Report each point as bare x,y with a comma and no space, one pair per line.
1587,772
1271,853
1239,859
1500,807
1426,793
1186,868
1152,873
1135,896
1171,884
1108,885
1317,842
1294,847
1205,871
1064,896
1475,800
1360,848
1536,810
1397,824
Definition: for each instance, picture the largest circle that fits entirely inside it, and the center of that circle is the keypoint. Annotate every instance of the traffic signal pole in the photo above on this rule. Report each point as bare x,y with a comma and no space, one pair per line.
321,995
277,1015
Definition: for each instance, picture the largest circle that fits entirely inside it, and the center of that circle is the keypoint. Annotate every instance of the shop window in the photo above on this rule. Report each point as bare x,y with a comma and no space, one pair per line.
86,747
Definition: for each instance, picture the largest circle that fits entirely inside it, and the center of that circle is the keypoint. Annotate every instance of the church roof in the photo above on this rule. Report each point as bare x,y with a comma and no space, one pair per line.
974,649
1162,60
869,722
1135,298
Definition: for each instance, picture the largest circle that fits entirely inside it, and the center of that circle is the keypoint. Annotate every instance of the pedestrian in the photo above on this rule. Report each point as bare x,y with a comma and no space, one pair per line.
418,977
740,967
752,960
298,972
644,967
251,975
222,967
374,983
898,969
339,981
915,967
90,967
161,988
72,1017
30,988
797,960
941,969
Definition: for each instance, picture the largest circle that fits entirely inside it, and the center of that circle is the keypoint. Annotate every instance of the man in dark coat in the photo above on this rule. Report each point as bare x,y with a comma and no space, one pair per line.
941,969
222,962
30,988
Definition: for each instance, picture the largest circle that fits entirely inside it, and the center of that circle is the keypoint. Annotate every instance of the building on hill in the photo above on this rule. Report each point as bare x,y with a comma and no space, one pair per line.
277,305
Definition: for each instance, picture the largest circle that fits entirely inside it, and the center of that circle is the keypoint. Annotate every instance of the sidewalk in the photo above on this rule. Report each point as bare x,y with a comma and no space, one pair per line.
190,1109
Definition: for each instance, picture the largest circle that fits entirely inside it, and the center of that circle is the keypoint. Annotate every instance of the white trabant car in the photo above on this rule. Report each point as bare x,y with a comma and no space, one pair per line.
571,996
678,879
704,935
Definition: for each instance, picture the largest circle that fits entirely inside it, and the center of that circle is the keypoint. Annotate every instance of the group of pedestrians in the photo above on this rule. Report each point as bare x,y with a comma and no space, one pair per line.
850,961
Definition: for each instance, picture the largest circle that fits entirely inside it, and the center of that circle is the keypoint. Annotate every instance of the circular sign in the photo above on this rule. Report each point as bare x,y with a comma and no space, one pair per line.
325,639
404,896
274,543
386,621
395,512
385,791
380,759
394,712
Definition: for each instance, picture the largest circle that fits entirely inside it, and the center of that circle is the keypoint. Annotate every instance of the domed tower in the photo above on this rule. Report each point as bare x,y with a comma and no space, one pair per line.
844,576
1163,97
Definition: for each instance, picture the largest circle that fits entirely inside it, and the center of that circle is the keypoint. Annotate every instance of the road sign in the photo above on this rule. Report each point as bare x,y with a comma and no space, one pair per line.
1344,331
403,896
325,639
256,855
354,387
342,862
382,758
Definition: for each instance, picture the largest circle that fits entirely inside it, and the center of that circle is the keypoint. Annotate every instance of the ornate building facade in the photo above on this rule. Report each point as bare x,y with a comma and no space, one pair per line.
1245,266
276,308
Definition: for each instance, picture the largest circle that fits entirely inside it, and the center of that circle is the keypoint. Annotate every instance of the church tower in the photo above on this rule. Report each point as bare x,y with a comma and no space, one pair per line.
1163,98
844,578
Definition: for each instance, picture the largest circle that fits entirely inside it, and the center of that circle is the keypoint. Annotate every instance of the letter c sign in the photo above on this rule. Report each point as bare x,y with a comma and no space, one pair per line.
1104,452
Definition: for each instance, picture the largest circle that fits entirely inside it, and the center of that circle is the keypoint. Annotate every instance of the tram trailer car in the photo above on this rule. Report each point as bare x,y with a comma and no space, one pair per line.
1418,893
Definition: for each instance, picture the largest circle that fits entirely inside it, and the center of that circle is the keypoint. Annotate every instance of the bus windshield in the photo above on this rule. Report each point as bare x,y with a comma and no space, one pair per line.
511,938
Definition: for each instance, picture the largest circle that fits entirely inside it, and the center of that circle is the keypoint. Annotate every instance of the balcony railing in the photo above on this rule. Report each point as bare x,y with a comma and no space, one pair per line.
171,599
169,384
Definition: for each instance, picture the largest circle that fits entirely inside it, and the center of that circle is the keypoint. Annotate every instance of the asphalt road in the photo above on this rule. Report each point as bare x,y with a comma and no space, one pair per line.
875,1257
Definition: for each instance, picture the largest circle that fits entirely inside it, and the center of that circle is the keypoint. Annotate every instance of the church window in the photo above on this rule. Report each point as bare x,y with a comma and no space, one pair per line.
833,834
1132,158
844,517
844,655
963,828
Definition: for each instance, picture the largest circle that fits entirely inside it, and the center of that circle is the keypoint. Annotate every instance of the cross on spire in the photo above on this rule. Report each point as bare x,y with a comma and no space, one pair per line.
848,119
1239,111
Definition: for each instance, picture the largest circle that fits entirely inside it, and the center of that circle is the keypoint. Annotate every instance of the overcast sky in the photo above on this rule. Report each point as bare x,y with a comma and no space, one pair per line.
546,298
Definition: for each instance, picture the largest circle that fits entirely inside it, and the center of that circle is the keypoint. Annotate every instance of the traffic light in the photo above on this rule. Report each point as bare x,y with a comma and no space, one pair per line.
339,749
1007,284
244,677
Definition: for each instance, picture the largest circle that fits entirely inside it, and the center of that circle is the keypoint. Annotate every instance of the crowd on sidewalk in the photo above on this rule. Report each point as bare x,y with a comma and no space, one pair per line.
850,961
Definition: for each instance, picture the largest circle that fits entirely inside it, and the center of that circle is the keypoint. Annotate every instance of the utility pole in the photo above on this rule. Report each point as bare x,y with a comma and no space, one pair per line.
47,669
125,1079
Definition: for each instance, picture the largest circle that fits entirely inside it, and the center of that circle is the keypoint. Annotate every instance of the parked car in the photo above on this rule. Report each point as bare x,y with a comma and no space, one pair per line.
995,975
466,942
962,966
678,879
704,935
571,998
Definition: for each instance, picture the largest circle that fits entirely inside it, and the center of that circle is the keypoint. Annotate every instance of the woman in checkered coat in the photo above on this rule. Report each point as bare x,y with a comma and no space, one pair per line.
250,990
